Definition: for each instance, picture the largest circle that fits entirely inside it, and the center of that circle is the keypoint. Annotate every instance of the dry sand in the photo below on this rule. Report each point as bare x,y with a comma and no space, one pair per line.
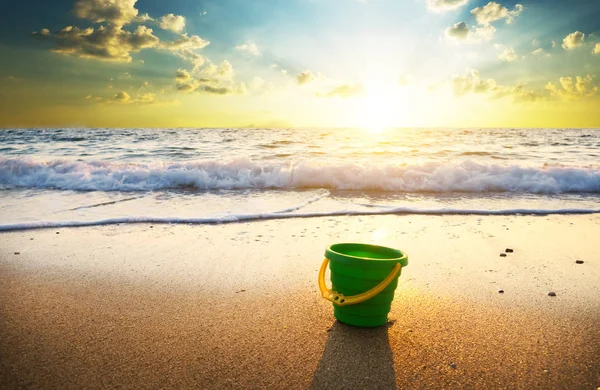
237,306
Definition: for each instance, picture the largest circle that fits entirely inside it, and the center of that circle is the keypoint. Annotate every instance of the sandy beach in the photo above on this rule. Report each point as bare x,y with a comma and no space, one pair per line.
237,306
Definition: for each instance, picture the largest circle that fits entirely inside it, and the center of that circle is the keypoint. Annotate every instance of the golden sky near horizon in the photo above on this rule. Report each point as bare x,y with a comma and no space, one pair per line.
301,63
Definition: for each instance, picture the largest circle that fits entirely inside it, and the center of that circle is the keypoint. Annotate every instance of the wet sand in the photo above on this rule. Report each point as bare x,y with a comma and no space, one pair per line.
237,306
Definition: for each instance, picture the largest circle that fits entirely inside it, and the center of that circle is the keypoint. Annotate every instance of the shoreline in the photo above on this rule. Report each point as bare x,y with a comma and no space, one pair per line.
279,215
237,305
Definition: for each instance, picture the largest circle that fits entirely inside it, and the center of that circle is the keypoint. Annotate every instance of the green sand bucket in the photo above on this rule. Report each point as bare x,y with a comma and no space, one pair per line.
363,279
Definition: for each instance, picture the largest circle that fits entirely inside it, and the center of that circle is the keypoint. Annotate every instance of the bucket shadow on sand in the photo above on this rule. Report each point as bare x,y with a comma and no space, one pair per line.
356,358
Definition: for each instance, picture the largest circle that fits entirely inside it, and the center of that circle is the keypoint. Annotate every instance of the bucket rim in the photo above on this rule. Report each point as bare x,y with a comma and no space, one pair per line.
332,252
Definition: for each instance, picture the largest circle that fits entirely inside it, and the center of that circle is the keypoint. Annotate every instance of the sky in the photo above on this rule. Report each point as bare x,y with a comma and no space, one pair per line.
300,63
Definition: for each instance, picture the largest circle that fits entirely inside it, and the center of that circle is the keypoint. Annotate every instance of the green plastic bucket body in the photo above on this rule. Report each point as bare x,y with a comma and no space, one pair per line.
357,268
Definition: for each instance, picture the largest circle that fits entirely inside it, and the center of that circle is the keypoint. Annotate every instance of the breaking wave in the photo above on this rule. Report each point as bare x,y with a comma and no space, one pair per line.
243,173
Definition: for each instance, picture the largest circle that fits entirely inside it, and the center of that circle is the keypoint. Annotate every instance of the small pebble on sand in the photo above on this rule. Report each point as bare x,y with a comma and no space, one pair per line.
452,365
502,254
579,261
508,250
551,294
17,253
501,291
57,232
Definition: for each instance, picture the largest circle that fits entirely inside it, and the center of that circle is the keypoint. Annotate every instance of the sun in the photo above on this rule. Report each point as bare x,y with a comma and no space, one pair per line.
381,107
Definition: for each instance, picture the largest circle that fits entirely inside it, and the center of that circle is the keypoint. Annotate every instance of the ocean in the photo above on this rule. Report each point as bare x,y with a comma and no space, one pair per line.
83,176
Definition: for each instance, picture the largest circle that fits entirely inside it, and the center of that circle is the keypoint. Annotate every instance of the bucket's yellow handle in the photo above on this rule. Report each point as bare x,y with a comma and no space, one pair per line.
341,300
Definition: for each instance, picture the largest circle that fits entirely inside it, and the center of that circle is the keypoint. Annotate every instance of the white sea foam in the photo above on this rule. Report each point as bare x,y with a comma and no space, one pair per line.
243,173
281,215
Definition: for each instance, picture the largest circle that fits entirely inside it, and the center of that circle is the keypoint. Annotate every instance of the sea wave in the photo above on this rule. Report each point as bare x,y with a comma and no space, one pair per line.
243,173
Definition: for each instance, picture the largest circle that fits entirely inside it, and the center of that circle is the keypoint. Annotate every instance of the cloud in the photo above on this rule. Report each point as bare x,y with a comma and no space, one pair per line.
187,86
508,55
175,23
110,43
568,88
223,70
43,33
117,12
573,40
143,18
214,79
484,16
461,32
182,75
113,43
473,83
445,5
493,11
345,91
463,85
145,98
250,48
537,51
304,77
184,47
596,49
123,97
186,42
573,88
517,92
196,59
219,90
